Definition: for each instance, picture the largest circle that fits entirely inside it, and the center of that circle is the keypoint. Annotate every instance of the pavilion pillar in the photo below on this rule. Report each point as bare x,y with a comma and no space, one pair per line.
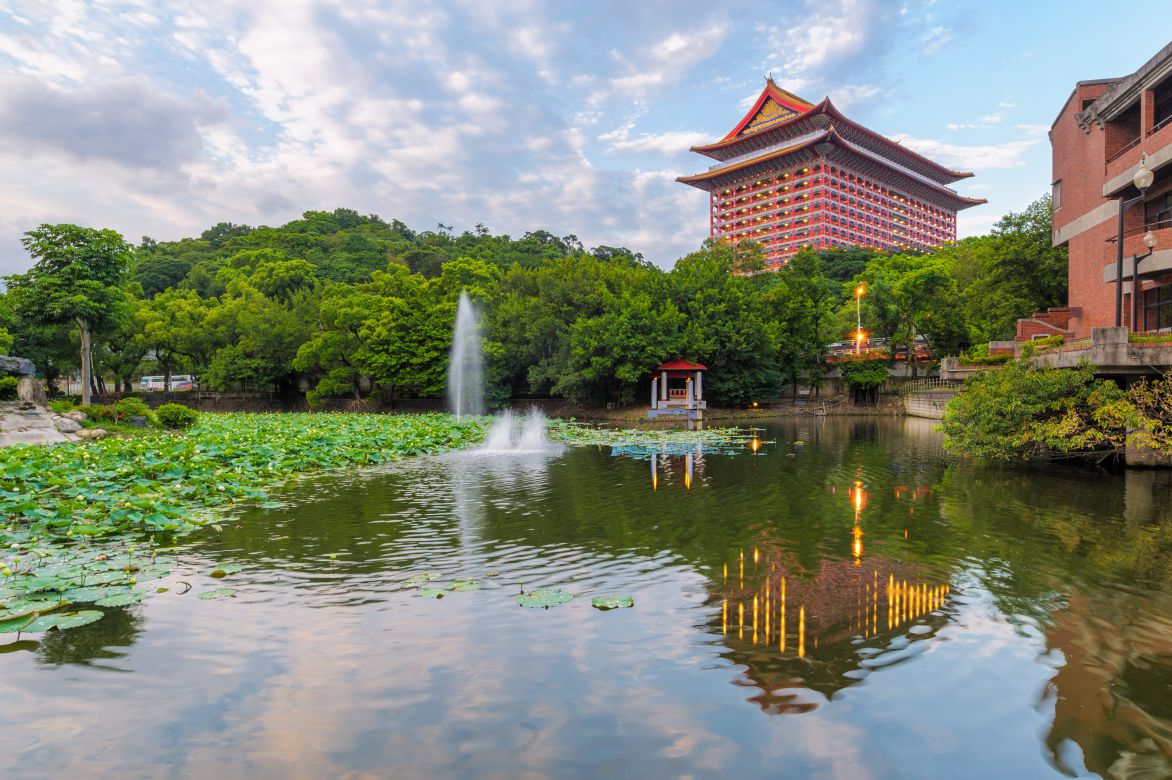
663,386
699,387
654,392
690,393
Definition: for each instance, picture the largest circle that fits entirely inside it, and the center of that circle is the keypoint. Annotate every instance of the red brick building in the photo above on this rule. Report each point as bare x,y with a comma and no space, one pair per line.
792,174
1106,131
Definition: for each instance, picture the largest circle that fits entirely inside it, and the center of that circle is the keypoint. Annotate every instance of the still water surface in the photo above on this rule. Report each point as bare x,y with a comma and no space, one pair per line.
851,607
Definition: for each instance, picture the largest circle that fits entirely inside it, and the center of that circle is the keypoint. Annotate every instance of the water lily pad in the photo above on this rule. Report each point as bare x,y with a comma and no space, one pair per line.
432,593
223,570
464,585
63,621
15,625
21,608
90,595
543,598
219,593
271,505
122,599
415,580
612,602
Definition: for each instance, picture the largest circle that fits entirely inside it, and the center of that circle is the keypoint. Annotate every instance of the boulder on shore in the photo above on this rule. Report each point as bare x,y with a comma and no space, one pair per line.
75,415
66,425
91,434
28,389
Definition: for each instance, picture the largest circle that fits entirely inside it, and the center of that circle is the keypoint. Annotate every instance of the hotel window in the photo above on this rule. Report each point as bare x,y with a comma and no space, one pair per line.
1158,211
1158,308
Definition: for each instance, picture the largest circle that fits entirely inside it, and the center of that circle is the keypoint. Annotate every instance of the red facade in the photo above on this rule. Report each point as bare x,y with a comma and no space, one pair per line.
1107,130
792,175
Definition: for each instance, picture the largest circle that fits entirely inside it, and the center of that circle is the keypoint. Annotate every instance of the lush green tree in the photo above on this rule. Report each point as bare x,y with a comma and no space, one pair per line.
907,296
77,278
1024,411
1011,273
175,326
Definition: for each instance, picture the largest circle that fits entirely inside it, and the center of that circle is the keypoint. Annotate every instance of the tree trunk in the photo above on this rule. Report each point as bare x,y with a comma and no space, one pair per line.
86,369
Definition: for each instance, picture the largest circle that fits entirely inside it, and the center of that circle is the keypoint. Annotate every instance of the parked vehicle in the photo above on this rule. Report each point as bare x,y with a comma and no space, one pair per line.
179,382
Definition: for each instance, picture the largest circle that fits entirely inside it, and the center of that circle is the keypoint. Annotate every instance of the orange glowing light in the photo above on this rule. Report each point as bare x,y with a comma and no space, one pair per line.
859,291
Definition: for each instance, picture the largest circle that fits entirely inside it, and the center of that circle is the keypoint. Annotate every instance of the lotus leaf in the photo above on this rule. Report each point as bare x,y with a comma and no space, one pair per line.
16,625
432,593
415,580
219,593
464,585
605,603
122,599
223,570
543,598
64,620
21,608
91,594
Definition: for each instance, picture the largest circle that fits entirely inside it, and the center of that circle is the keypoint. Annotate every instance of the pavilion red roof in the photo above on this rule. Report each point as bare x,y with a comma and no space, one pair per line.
681,365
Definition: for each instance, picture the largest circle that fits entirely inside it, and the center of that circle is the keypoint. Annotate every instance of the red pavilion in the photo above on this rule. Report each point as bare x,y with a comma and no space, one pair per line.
792,174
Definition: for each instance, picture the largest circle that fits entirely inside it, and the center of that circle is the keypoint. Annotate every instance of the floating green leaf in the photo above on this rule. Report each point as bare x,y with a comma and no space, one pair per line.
223,570
464,585
21,608
16,625
91,594
122,599
415,580
63,621
432,593
543,598
271,505
219,593
612,602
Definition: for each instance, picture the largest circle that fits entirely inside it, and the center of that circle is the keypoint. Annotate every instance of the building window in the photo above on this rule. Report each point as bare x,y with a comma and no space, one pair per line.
1158,308
1158,211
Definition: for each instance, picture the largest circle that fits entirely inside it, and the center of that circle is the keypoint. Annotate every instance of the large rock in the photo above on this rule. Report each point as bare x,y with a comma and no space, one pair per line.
65,425
92,434
75,415
30,390
17,365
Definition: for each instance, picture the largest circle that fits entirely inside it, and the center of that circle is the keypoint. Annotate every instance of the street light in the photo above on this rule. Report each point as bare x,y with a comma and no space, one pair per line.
1150,244
1142,179
858,319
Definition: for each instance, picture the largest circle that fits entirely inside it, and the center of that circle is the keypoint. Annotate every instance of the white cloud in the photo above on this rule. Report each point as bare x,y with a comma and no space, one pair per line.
970,158
671,142
936,39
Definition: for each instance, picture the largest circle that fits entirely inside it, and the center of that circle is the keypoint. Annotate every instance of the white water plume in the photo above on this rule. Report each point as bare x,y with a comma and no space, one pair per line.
466,364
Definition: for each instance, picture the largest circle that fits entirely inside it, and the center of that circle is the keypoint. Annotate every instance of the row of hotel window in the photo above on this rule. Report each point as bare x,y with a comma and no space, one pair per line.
923,231
1158,308
929,216
839,178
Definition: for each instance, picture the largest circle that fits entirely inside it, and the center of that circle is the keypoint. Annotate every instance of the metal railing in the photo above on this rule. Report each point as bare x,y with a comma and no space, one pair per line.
1124,150
1158,126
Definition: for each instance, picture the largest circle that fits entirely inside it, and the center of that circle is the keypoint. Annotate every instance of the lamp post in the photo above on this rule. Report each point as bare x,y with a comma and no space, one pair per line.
1142,179
858,319
1150,243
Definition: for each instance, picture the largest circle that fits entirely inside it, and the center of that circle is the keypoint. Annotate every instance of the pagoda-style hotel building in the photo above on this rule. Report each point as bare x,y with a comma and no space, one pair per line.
792,175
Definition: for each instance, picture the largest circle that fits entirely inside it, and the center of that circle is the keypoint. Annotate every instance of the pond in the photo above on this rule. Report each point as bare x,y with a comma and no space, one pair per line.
845,602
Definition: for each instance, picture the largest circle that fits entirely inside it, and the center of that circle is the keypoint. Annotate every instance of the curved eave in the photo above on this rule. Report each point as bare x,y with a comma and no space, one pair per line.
829,109
833,111
700,179
779,95
708,180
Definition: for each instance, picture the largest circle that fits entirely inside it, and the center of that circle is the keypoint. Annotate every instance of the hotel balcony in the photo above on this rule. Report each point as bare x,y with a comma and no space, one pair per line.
1158,264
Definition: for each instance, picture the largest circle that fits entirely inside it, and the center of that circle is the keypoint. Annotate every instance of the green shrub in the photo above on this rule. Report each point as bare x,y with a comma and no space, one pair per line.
131,407
97,412
8,388
986,360
61,406
1048,342
176,416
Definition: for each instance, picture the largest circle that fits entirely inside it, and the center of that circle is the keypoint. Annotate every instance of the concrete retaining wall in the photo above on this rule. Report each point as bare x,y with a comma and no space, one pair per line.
927,403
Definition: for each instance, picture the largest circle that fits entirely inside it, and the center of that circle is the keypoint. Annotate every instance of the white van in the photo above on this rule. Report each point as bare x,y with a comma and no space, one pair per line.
178,382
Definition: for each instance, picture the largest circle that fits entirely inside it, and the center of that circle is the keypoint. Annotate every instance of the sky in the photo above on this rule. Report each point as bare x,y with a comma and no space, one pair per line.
162,118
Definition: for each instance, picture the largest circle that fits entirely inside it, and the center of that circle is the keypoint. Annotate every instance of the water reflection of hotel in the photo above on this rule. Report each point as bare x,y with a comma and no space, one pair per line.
794,628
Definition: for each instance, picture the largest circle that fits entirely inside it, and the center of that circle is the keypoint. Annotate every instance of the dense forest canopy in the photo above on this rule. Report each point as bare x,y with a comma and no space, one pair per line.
350,305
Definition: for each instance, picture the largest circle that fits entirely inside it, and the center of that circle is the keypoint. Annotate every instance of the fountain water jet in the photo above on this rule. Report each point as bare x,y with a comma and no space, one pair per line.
466,392
466,363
